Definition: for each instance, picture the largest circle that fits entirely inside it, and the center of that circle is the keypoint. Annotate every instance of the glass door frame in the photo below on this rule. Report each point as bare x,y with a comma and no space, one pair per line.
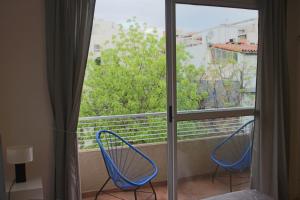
172,115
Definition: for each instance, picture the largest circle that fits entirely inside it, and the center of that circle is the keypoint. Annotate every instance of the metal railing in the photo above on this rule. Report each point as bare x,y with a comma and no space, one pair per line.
147,128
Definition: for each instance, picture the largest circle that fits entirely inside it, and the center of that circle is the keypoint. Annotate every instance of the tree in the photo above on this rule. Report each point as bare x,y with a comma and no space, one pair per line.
188,85
131,75
234,76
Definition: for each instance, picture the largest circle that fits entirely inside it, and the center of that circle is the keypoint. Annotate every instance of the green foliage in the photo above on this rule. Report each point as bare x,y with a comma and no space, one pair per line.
188,81
130,76
98,61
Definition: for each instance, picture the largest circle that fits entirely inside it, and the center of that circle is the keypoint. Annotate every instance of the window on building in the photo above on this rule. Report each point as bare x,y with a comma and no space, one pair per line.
97,48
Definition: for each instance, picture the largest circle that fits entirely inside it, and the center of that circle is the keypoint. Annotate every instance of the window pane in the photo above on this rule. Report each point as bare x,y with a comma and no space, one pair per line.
197,140
124,91
216,55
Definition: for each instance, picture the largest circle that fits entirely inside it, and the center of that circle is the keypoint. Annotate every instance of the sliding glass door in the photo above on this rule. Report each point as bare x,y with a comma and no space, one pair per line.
211,85
173,88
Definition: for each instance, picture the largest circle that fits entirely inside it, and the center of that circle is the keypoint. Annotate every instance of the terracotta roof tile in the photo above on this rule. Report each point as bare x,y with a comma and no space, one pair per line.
242,47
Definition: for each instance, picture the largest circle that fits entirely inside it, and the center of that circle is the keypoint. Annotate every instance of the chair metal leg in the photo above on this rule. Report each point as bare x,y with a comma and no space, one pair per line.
135,198
230,181
102,188
214,174
153,190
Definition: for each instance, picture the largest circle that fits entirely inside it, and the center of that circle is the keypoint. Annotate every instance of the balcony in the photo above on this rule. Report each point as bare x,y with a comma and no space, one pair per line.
148,132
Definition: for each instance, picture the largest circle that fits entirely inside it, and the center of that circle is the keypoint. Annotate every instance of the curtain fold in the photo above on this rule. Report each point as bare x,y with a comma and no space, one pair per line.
2,182
68,32
270,154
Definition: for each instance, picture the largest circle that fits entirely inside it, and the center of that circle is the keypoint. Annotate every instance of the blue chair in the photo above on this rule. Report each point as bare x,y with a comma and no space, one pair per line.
234,152
126,165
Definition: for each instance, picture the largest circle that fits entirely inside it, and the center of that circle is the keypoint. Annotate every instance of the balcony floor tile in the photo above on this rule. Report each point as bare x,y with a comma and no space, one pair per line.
193,188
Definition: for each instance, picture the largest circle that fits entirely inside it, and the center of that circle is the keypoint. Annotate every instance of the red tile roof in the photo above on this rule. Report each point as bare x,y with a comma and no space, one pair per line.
242,47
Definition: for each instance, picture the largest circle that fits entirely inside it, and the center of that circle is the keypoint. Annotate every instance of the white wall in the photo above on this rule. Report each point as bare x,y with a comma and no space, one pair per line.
25,116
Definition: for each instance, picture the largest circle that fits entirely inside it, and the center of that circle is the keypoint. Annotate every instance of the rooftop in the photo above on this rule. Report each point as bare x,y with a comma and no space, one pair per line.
243,47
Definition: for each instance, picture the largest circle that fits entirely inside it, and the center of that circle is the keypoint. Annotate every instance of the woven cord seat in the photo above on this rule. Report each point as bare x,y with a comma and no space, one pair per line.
234,152
126,165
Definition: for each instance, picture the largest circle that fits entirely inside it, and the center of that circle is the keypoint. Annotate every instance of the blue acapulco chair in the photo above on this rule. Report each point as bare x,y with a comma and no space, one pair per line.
126,165
234,153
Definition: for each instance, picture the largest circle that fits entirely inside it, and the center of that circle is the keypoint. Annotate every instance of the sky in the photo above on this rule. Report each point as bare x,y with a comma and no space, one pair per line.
188,17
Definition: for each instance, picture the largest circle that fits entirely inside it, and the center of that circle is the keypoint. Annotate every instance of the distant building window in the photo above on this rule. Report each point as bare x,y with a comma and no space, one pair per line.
243,37
223,56
96,48
241,31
